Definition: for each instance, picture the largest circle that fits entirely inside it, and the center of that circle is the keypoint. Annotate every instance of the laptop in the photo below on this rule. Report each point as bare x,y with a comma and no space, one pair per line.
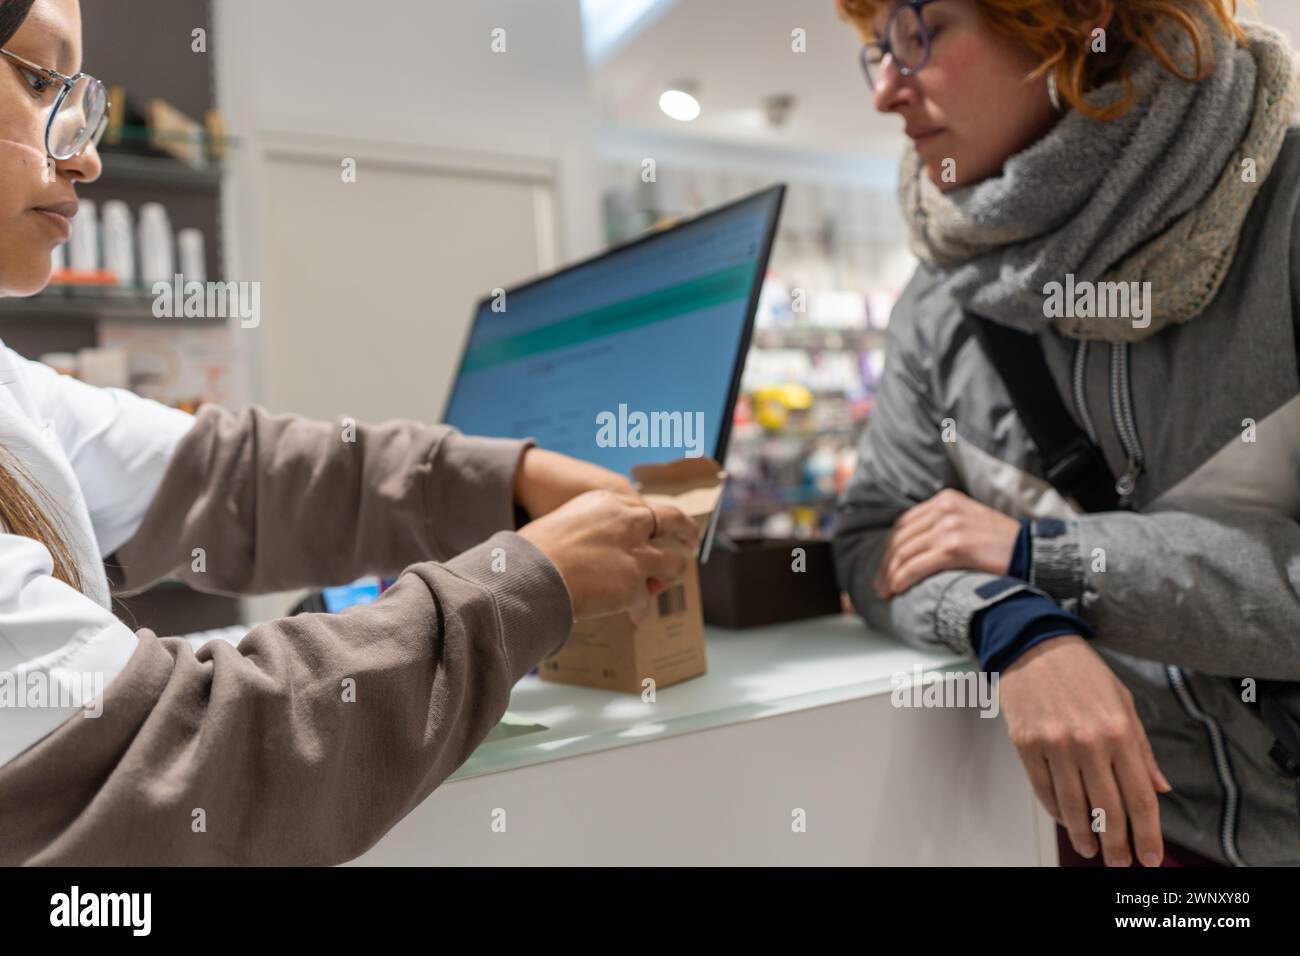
631,357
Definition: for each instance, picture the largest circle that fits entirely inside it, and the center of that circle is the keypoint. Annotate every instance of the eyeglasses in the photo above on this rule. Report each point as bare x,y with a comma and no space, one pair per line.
78,115
906,39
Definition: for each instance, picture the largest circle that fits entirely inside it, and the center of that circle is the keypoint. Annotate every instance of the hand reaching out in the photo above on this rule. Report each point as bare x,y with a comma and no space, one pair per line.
614,550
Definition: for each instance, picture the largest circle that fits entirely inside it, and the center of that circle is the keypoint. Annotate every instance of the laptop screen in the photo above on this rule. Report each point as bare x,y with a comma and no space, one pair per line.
632,357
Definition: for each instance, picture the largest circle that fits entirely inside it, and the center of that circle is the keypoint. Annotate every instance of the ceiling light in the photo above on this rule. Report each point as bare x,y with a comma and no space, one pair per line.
679,105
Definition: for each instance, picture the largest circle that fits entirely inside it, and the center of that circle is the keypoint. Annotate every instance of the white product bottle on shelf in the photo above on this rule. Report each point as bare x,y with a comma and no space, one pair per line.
117,236
190,251
83,246
157,263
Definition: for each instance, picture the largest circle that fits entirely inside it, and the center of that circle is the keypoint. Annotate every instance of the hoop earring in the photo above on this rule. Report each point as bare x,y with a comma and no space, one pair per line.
1053,93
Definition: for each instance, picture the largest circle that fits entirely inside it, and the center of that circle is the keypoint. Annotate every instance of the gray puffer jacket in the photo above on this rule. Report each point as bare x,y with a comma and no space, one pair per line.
1193,590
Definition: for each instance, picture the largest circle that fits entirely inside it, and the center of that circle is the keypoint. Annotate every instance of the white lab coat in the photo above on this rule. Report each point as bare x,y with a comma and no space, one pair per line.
98,457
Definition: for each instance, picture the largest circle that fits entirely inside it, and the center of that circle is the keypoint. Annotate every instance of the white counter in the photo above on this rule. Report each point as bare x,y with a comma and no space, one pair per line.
792,722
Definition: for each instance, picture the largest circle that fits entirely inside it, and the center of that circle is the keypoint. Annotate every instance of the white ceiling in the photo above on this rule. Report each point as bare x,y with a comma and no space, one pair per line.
739,52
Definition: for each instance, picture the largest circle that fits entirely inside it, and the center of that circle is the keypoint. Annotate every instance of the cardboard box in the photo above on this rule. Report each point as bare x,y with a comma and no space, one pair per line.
613,653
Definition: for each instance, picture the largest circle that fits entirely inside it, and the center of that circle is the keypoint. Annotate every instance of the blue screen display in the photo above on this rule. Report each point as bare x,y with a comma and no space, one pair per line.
627,359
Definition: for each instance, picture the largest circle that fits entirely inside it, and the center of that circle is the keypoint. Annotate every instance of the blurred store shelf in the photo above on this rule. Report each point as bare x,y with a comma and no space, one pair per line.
89,303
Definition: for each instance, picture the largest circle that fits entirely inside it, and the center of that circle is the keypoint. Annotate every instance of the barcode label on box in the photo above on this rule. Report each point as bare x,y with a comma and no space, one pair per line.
672,601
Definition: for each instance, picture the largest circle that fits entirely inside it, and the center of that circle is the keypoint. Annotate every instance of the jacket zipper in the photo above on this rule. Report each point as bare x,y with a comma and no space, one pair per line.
1228,817
1121,408
1078,379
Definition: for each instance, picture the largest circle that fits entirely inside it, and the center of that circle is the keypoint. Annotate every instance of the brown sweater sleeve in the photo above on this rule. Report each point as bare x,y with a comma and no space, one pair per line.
304,744
256,502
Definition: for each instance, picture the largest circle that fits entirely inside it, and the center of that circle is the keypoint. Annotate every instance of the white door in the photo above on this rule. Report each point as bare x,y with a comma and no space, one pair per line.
370,284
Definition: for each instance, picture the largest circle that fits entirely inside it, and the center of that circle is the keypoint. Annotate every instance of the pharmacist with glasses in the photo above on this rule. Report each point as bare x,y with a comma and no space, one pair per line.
111,742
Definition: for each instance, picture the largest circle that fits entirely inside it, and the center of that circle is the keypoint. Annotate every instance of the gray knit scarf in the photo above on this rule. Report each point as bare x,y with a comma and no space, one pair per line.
1157,196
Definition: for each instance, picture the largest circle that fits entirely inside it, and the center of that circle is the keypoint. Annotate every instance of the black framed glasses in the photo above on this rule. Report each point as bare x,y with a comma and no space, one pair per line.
906,39
78,115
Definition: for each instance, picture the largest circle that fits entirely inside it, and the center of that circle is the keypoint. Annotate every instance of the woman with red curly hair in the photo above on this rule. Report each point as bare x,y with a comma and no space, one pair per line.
1083,464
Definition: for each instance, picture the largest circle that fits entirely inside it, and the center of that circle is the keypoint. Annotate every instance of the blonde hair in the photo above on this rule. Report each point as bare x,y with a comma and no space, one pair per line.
22,514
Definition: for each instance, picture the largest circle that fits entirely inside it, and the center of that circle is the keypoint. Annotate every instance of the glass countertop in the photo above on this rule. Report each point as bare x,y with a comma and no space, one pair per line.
756,673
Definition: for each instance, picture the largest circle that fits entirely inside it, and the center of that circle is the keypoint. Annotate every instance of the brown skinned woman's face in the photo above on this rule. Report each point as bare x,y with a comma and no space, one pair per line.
29,180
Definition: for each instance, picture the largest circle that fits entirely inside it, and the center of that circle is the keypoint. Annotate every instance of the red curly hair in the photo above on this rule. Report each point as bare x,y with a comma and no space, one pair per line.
1055,31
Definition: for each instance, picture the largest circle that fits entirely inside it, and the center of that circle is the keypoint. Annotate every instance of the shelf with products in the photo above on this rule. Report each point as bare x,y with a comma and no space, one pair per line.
806,393
142,153
819,338
121,234
129,168
152,215
93,302
784,484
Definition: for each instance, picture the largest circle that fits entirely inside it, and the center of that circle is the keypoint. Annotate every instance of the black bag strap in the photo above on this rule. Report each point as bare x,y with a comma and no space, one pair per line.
1279,707
1072,463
